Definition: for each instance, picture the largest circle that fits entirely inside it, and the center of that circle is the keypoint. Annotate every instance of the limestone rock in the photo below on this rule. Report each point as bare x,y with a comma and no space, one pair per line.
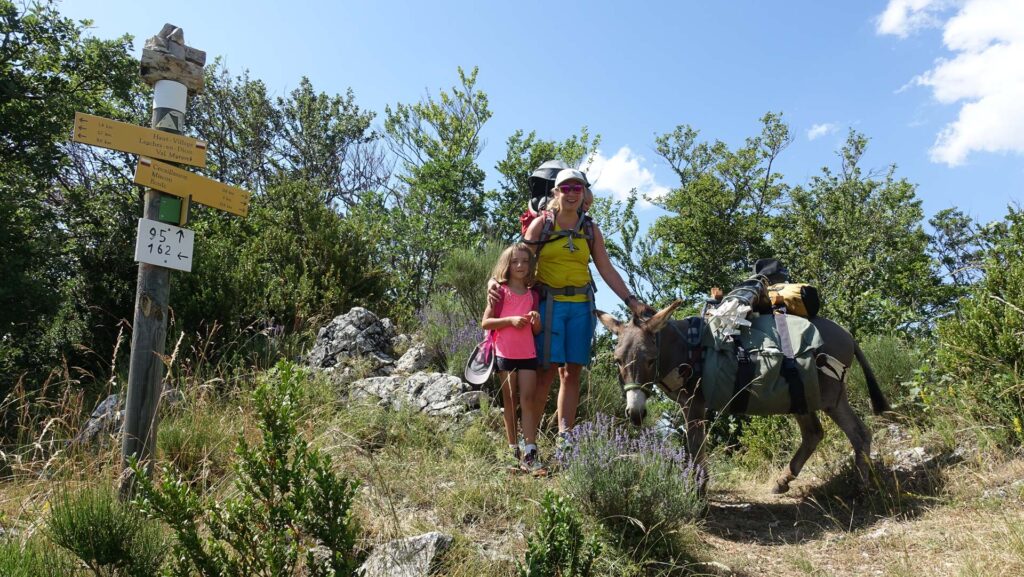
411,557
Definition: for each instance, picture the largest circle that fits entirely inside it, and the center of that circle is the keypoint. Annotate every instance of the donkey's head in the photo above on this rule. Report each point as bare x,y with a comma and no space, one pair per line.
637,356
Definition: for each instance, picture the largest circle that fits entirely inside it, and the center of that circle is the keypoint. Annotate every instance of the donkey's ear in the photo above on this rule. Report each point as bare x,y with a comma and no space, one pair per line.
657,322
611,323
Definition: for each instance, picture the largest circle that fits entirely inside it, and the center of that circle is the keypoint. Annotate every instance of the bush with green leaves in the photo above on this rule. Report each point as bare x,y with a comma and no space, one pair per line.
894,360
450,319
558,545
643,481
290,511
113,539
766,441
982,345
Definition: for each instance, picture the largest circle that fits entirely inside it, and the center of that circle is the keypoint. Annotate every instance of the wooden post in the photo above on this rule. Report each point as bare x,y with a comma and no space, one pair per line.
173,70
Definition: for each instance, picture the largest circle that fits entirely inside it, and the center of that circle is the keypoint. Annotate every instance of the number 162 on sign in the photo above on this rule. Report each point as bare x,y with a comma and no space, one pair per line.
164,245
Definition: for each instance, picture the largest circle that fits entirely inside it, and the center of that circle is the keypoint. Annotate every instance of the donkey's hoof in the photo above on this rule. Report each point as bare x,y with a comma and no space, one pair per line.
780,488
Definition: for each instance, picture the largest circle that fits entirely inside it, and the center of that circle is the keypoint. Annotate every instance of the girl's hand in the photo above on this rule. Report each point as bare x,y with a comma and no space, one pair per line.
519,321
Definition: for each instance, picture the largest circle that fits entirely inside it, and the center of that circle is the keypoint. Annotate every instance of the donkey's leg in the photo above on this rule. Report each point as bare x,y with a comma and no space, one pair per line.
696,431
811,434
858,434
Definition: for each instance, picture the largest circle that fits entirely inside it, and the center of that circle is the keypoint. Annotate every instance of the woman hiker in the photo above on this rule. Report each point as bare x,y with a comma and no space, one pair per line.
565,241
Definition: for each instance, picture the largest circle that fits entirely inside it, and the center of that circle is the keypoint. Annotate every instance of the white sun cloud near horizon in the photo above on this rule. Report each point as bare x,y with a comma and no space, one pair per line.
617,175
985,74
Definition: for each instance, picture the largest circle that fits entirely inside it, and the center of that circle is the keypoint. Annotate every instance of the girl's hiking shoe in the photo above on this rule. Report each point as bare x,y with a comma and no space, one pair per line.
532,464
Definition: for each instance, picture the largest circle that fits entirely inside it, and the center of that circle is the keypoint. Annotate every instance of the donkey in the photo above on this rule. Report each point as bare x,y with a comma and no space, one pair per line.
656,351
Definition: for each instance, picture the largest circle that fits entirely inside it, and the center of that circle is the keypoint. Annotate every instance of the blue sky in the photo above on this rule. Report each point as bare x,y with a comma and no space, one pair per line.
937,85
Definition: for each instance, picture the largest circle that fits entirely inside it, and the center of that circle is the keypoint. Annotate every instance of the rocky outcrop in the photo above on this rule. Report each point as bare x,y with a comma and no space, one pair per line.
354,344
432,393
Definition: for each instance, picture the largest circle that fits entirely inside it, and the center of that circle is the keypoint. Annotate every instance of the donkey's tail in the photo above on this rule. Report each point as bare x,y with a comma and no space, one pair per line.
878,402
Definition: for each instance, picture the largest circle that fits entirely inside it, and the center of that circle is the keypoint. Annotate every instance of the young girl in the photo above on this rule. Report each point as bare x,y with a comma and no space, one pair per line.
516,322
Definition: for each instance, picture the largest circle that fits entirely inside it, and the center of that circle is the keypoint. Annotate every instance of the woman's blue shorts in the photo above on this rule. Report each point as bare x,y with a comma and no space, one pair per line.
572,332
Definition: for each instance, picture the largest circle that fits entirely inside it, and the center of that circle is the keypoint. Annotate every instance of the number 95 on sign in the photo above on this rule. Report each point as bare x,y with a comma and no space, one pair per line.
164,245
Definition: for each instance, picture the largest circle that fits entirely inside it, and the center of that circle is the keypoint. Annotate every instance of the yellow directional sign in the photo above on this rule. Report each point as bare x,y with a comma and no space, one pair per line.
99,131
173,180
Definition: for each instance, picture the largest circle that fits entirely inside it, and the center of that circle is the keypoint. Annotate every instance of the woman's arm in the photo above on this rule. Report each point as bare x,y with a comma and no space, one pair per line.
611,276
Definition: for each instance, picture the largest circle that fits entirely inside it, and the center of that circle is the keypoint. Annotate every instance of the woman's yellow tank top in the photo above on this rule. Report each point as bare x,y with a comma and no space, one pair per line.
558,266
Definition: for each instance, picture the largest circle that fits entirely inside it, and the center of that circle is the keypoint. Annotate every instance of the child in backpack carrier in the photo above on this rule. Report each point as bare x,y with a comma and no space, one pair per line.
516,321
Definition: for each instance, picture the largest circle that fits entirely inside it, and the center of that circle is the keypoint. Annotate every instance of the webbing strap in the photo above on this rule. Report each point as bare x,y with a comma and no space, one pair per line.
741,386
797,395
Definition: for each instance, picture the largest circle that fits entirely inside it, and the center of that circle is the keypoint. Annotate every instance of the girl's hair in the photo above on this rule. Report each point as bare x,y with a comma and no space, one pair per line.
504,263
556,205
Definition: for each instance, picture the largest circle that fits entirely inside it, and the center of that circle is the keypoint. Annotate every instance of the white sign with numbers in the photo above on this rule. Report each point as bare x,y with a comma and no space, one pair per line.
164,245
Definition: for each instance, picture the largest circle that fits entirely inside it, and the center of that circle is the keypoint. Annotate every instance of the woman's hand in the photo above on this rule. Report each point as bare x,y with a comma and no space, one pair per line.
493,293
639,307
534,317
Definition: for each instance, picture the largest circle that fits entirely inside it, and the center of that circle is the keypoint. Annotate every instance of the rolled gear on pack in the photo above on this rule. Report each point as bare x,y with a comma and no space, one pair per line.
795,298
768,368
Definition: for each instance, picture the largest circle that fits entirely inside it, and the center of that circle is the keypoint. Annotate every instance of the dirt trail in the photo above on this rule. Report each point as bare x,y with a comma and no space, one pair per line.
943,521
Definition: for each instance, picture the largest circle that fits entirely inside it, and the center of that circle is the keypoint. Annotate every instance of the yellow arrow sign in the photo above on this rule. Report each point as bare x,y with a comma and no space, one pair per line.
99,131
173,180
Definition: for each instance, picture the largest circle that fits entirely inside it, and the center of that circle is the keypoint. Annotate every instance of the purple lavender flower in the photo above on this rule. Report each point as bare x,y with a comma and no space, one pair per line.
620,475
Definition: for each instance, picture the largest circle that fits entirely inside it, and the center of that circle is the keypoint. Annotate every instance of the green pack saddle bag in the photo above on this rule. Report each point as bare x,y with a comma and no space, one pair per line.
768,369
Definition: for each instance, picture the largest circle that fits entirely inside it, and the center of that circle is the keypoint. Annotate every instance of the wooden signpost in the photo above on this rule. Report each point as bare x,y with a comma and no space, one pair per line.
175,71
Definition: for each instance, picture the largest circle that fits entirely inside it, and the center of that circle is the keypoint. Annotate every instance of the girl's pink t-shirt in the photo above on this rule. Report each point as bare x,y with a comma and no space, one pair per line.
512,342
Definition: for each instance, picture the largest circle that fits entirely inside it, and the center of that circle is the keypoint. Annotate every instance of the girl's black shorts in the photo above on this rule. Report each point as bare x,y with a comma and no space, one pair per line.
508,365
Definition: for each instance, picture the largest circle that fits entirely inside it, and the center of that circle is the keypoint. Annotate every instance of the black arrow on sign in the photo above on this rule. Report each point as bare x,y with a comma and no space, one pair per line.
181,256
181,235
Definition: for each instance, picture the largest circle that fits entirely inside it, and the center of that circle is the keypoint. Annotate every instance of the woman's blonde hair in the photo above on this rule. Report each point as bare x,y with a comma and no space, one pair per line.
504,263
588,199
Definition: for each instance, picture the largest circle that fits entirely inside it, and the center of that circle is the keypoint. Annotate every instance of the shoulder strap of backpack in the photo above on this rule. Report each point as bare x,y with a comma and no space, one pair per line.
545,231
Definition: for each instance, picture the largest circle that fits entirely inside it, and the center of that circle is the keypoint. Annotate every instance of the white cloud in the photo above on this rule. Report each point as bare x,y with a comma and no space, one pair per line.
985,75
617,175
903,17
824,129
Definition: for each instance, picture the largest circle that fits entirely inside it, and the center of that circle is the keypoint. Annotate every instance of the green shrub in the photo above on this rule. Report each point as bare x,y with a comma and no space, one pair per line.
894,360
110,537
646,482
767,441
558,546
291,513
35,558
450,319
982,345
